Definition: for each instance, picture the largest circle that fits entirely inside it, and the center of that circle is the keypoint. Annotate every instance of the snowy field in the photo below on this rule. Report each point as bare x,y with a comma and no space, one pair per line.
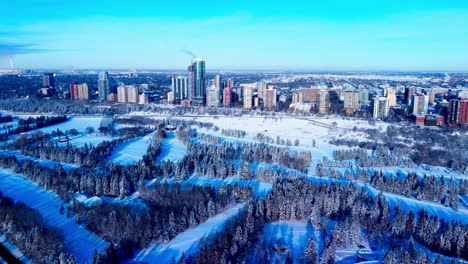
305,129
189,241
93,139
172,148
131,152
78,240
80,123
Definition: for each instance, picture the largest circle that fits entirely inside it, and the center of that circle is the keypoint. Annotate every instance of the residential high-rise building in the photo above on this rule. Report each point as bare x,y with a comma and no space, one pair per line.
170,97
247,98
132,94
323,101
227,96
127,94
122,94
143,98
391,95
180,87
270,98
431,93
409,91
198,81
79,91
212,97
83,91
48,80
381,107
364,97
463,119
297,97
103,86
261,87
74,91
351,101
419,104
217,82
309,95
453,111
229,83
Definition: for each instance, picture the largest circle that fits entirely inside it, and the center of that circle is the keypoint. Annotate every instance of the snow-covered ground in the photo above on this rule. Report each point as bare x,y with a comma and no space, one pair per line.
187,242
80,123
93,139
78,240
305,129
132,151
172,148
13,249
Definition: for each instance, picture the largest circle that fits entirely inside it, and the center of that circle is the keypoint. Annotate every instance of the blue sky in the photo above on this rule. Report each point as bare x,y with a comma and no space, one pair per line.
287,35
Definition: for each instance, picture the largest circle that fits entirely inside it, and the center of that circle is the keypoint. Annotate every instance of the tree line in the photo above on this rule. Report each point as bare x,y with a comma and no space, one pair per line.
27,230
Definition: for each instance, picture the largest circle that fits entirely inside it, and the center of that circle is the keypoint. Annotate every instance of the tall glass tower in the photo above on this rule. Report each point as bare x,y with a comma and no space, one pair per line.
198,81
103,86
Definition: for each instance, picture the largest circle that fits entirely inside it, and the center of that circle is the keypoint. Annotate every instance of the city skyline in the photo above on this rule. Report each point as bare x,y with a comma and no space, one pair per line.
341,36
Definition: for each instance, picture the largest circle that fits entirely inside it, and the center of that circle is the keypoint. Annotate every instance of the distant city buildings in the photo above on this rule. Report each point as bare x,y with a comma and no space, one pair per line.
212,99
364,97
391,95
79,91
270,98
229,83
297,97
261,87
458,111
103,86
323,101
127,94
409,92
48,85
463,119
219,84
132,94
48,80
247,101
381,107
419,104
181,87
143,98
170,97
227,96
351,101
309,95
197,72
